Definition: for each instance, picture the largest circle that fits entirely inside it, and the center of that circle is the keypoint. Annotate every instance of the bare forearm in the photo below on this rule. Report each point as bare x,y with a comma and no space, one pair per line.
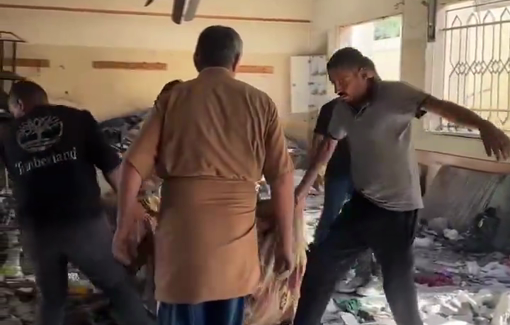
316,142
308,179
129,185
495,141
282,196
113,179
454,113
321,157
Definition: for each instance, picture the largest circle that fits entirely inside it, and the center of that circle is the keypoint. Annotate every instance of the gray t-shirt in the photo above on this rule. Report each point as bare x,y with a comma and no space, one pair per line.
383,161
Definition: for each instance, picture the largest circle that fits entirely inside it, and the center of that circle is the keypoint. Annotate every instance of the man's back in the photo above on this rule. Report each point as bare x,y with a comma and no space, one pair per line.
215,126
217,137
51,155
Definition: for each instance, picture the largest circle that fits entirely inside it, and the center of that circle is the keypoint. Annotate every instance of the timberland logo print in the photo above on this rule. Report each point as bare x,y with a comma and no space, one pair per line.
38,135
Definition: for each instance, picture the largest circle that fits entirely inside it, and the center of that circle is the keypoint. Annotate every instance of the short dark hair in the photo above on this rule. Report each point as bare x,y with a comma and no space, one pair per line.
349,57
27,91
218,46
170,85
369,64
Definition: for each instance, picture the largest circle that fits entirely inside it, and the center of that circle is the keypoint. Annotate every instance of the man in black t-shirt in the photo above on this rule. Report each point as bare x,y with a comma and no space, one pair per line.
52,153
337,179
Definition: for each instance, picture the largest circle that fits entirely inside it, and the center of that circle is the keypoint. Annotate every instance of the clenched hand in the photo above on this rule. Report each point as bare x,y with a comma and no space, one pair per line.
285,260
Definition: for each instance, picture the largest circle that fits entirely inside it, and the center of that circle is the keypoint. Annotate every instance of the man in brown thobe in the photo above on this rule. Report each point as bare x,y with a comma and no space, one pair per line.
210,139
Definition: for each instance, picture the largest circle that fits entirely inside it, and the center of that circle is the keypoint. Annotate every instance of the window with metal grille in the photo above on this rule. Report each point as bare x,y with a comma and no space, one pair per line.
470,63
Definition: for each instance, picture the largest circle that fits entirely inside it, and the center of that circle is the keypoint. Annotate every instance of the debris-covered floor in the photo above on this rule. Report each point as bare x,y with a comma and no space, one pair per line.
455,287
18,298
456,284
18,294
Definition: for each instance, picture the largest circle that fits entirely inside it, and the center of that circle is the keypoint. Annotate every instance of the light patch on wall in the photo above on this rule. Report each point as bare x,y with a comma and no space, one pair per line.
118,65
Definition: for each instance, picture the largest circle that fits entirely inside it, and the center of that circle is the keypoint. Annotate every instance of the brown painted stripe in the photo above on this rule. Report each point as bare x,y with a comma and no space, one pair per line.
263,69
118,65
29,63
152,14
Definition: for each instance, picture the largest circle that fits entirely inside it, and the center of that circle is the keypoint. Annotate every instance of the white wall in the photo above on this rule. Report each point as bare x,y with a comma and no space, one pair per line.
73,33
68,28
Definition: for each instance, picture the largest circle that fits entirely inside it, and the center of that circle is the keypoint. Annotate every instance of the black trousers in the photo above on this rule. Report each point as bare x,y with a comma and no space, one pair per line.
87,245
363,225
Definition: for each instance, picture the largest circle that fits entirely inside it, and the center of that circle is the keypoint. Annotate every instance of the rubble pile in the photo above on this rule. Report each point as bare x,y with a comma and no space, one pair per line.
461,279
18,297
10,253
17,302
437,307
120,131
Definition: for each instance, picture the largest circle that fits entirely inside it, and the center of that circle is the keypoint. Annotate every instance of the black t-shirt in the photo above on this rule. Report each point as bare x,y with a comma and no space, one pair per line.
52,154
340,162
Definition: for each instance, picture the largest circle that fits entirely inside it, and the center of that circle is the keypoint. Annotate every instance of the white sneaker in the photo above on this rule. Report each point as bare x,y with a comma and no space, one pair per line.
349,286
373,288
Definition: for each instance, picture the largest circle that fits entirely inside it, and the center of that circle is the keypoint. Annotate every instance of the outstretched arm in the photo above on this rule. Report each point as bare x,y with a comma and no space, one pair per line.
495,141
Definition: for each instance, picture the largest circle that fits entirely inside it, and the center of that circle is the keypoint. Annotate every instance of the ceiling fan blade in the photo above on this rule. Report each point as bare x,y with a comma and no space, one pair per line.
148,3
178,10
191,11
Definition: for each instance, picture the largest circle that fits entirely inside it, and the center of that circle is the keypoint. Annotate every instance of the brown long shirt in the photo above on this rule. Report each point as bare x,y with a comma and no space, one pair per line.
210,140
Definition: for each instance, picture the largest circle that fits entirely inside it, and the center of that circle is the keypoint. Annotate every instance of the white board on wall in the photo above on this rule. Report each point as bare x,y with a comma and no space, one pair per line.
299,80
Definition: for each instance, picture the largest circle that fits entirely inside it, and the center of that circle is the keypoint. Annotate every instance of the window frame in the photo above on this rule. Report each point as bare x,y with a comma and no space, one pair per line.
435,69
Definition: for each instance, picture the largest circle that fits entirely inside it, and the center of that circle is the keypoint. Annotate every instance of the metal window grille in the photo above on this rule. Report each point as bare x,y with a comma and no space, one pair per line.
472,62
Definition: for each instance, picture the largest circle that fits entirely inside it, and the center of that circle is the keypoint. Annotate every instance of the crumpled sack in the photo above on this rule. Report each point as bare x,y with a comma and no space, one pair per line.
275,299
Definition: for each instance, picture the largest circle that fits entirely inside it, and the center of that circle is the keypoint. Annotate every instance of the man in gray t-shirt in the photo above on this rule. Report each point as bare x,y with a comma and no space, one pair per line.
382,213
380,131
